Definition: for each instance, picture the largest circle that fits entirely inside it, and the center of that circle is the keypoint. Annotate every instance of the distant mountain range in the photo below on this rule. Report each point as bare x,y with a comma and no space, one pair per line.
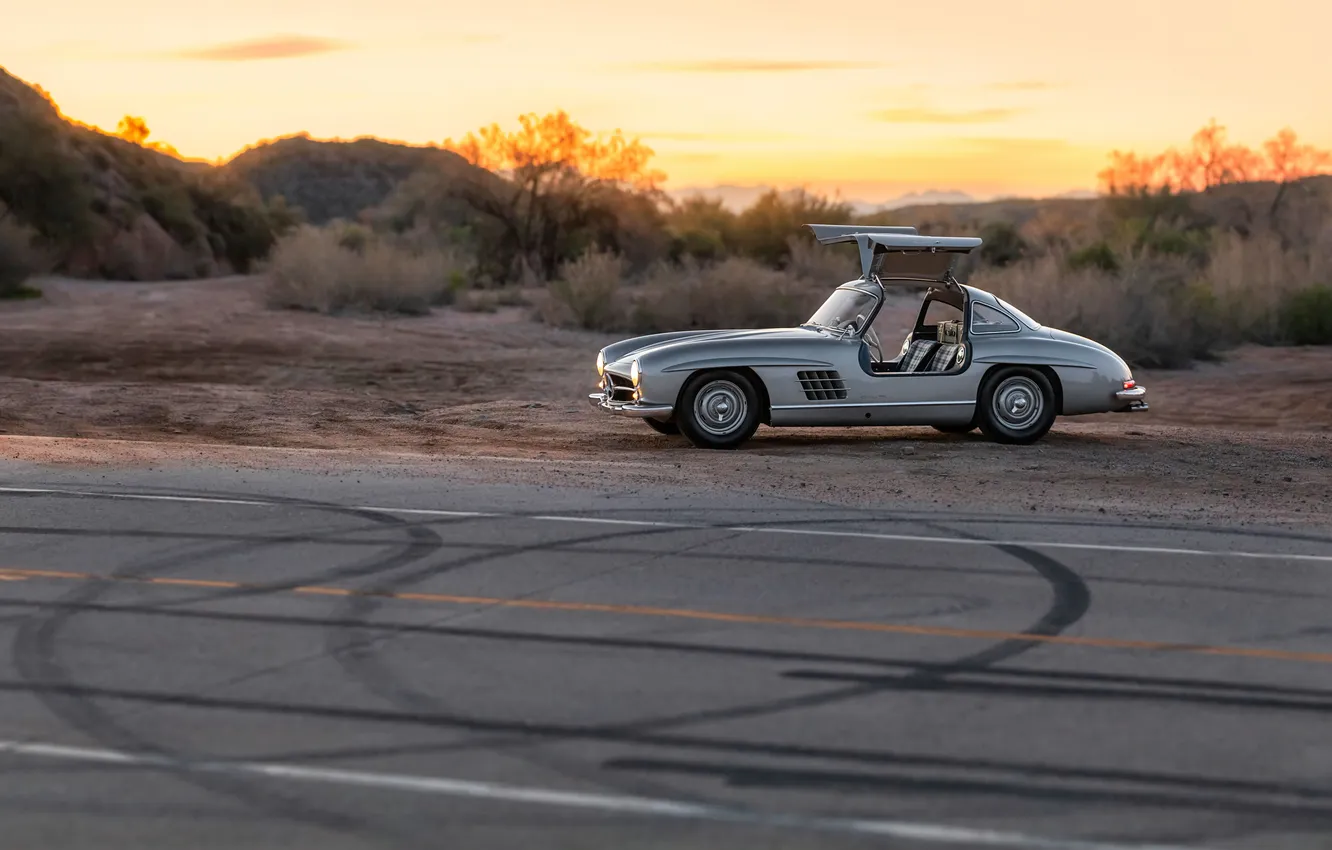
739,197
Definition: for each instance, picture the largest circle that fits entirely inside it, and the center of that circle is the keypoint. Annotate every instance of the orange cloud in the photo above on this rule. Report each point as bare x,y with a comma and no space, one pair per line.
273,47
752,66
919,115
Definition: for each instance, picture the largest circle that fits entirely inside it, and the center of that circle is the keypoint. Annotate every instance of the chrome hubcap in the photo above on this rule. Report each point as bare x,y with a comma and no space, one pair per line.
720,408
1018,403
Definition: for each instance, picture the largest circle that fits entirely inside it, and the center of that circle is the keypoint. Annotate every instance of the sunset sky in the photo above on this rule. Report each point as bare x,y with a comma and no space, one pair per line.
872,99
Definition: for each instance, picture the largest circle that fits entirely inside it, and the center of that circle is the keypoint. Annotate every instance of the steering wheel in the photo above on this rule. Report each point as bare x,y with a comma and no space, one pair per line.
873,339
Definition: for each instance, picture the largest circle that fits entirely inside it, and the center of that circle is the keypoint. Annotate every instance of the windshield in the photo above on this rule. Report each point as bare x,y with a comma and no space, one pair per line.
848,307
1018,314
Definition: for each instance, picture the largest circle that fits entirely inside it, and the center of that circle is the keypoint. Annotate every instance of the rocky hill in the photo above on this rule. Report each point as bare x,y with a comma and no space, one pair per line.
335,179
104,207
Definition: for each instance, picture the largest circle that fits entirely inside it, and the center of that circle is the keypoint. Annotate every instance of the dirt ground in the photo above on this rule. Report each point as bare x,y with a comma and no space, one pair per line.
194,367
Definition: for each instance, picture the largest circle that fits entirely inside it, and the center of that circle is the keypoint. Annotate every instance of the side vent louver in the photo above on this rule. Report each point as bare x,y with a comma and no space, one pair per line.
822,386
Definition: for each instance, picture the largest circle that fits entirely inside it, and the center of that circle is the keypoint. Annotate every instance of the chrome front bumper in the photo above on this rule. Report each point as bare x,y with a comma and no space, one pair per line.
629,408
1136,397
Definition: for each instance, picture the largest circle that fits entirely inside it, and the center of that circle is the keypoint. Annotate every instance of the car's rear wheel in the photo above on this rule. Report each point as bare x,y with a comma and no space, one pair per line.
663,426
718,410
1017,405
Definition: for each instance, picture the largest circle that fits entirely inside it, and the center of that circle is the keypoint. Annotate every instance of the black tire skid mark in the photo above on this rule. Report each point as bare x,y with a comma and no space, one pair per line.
1021,681
1044,682
36,658
994,648
858,755
929,520
342,538
1071,600
860,514
360,653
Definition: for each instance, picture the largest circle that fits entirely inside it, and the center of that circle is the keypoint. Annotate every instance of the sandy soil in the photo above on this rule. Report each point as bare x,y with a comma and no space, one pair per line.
194,367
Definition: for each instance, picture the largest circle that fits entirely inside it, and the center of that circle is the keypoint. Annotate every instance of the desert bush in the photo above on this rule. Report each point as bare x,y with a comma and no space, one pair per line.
240,229
763,232
735,293
41,180
587,294
476,301
828,265
19,261
1153,311
701,228
1251,281
351,236
594,293
312,270
1098,255
1306,317
1163,310
1003,244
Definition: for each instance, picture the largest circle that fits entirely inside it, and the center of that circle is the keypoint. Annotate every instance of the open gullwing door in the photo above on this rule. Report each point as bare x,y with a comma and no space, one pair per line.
899,253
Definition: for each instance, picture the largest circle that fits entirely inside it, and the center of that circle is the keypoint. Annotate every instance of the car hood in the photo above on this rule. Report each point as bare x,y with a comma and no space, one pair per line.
739,335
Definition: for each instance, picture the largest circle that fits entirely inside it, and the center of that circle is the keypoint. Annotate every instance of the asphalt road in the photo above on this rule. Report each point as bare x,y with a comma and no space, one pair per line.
211,658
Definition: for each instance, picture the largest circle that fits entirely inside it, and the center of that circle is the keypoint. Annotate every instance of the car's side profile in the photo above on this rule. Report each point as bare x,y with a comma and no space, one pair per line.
971,360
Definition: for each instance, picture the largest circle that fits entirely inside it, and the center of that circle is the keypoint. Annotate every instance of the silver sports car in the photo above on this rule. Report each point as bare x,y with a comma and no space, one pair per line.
972,360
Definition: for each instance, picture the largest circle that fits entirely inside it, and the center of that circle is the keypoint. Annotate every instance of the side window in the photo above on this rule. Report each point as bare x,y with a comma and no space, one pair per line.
987,320
940,311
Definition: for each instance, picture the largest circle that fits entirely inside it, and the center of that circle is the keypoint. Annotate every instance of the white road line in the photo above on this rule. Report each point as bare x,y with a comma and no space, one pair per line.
612,804
746,529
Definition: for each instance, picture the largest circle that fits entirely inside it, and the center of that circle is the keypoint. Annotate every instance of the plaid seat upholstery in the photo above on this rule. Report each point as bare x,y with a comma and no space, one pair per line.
918,356
944,359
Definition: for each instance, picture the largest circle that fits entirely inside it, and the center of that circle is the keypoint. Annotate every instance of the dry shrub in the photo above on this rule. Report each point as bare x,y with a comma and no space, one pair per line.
587,294
735,293
1306,317
489,300
1152,312
830,265
19,261
1263,289
592,293
475,301
1162,311
321,270
1250,281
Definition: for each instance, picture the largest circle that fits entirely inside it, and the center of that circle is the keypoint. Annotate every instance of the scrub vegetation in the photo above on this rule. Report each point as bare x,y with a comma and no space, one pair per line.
1185,253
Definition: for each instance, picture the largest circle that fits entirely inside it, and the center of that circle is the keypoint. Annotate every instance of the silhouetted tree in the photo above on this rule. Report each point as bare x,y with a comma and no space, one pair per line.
559,180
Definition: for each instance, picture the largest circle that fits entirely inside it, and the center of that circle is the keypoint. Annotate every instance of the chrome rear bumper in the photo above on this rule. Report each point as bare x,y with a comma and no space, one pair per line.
1136,397
629,408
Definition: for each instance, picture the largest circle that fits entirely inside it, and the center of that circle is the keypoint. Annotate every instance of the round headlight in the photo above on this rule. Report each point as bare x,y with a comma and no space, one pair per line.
634,374
601,363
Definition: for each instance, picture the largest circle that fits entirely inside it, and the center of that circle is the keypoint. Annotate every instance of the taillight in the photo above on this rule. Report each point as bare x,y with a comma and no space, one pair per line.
1130,384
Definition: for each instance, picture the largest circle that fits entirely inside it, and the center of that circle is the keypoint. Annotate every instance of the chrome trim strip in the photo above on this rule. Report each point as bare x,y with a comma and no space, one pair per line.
625,408
877,404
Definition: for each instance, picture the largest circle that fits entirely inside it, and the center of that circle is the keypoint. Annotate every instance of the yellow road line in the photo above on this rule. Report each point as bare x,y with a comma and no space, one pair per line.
717,617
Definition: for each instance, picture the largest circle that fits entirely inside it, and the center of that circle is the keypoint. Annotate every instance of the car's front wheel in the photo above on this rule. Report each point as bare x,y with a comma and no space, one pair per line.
718,410
1017,405
663,426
